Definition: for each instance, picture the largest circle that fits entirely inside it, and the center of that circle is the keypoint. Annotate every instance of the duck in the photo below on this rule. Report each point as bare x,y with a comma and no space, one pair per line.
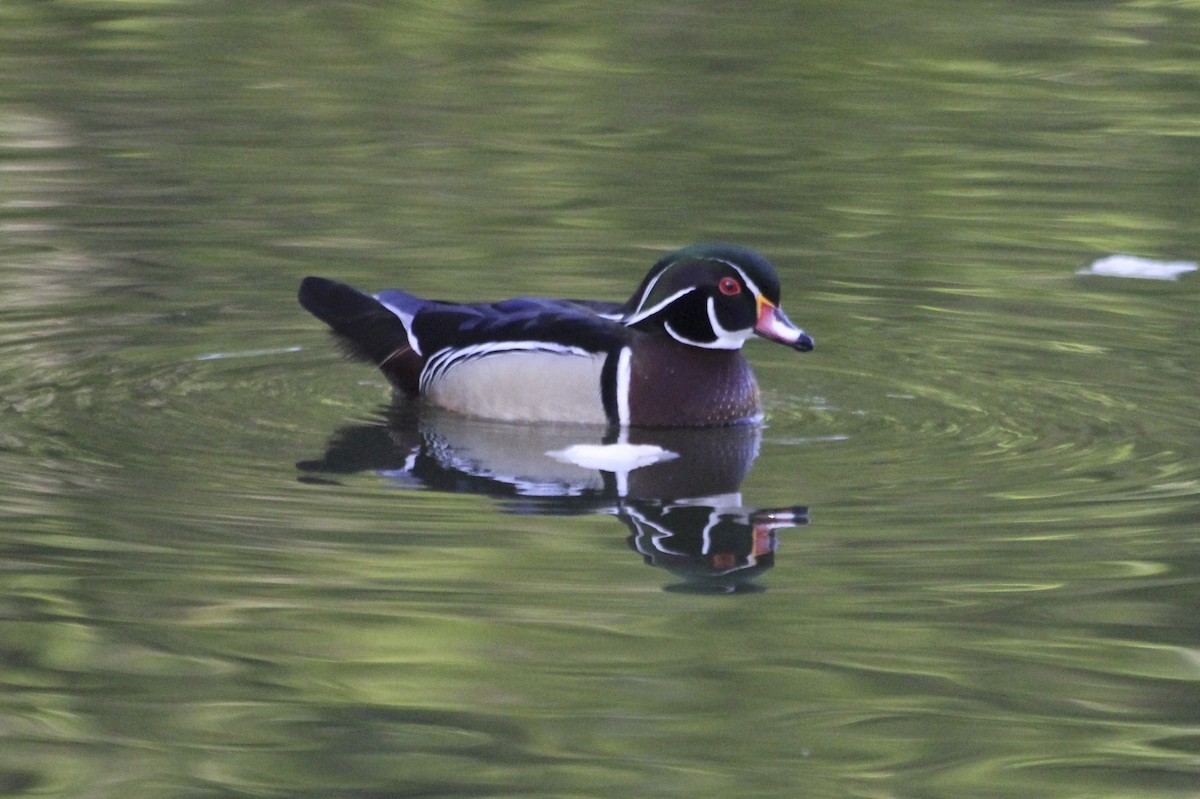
669,356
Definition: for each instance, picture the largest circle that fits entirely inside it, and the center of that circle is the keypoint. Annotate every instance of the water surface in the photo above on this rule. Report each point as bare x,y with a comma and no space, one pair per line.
230,568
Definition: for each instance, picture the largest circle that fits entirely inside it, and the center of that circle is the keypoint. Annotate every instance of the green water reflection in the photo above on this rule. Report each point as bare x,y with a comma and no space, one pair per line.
996,593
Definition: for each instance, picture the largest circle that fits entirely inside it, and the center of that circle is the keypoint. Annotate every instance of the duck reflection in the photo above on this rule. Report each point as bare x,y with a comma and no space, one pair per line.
675,490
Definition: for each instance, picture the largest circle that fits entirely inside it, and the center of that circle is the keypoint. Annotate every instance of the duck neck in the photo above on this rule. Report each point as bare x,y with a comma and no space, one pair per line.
676,385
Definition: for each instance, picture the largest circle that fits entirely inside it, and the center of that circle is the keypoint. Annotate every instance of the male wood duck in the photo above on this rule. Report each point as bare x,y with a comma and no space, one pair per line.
669,357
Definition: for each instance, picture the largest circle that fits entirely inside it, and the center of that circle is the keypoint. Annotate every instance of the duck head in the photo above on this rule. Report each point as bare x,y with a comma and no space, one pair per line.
713,296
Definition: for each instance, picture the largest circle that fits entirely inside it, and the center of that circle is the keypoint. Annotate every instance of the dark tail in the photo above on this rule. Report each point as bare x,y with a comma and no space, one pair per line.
365,328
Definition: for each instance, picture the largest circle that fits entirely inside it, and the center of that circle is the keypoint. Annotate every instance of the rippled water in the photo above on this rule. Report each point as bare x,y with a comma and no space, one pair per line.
958,559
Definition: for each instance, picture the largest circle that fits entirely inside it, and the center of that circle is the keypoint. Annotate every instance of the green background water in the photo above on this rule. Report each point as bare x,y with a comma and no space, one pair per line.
997,593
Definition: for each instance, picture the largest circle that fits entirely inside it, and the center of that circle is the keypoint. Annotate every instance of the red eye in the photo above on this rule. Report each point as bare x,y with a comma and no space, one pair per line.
729,286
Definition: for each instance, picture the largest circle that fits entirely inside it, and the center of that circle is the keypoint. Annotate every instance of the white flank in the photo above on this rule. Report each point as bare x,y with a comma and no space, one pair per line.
510,381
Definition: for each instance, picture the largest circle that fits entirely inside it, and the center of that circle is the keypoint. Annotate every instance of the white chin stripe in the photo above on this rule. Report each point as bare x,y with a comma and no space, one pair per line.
723,339
730,339
719,344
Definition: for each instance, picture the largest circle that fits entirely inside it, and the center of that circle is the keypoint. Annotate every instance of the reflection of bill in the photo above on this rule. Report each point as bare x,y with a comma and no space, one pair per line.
676,490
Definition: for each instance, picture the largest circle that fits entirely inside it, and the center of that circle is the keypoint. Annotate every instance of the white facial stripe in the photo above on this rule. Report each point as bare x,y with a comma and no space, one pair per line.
719,344
642,313
745,278
725,339
624,379
650,286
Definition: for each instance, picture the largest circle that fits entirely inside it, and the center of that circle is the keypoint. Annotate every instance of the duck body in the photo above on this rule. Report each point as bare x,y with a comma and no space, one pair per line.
668,357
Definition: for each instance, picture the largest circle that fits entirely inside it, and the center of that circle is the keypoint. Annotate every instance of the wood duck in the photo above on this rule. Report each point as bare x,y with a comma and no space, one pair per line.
669,357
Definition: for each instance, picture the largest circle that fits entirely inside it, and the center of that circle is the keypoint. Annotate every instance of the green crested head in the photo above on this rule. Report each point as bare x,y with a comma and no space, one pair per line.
713,296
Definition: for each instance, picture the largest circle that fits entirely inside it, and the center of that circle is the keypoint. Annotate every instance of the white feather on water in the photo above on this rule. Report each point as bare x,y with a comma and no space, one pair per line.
1132,266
